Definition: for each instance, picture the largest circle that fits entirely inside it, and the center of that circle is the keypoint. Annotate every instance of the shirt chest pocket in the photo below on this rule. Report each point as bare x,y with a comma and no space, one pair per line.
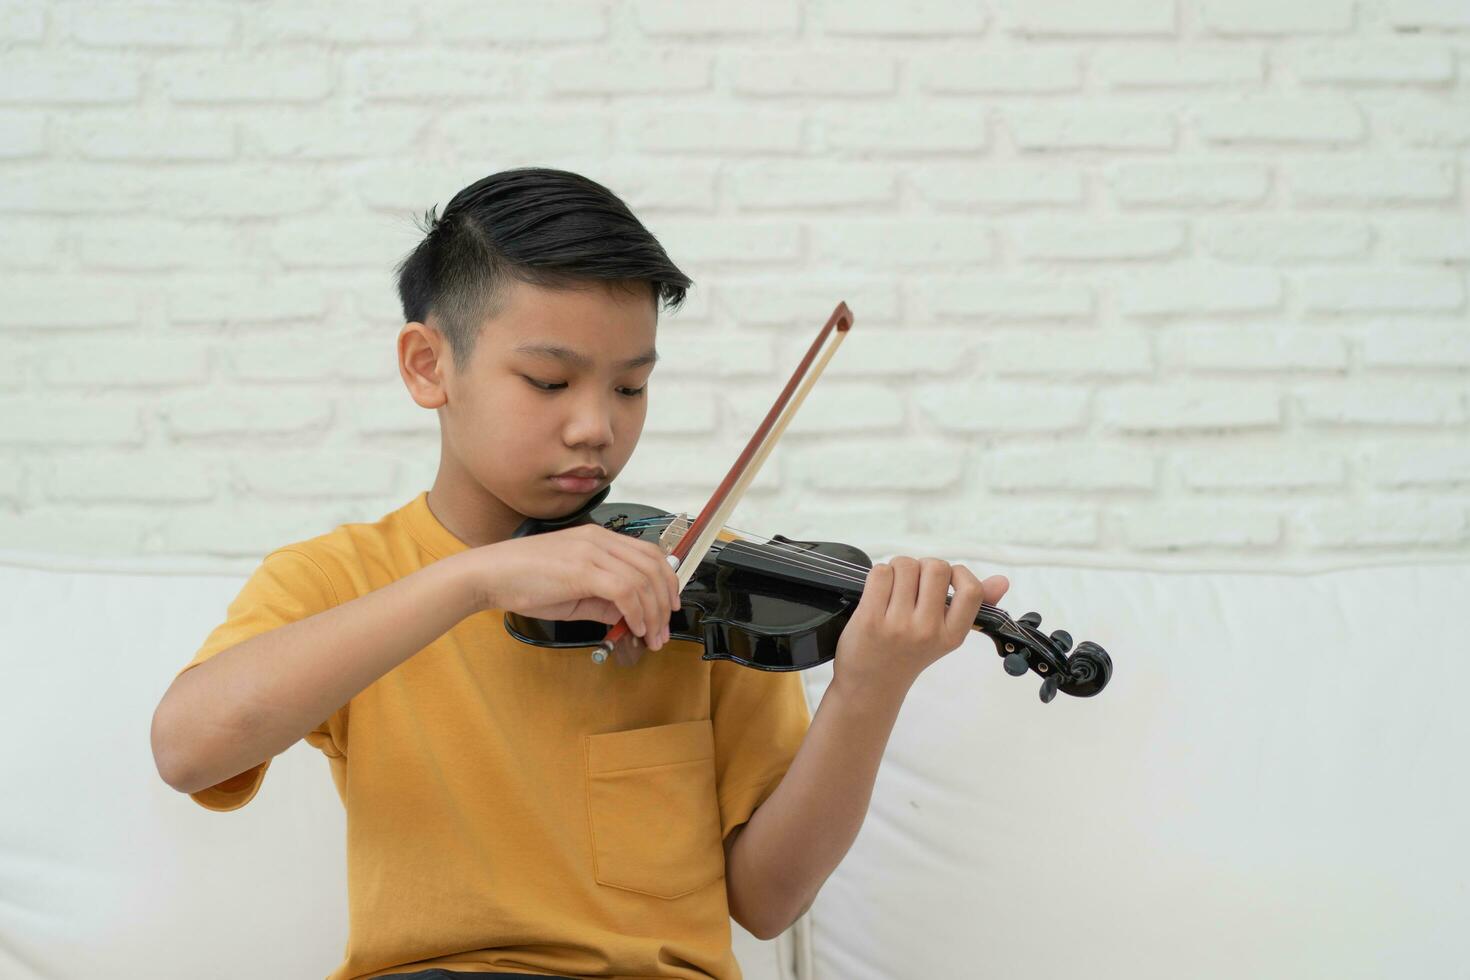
653,810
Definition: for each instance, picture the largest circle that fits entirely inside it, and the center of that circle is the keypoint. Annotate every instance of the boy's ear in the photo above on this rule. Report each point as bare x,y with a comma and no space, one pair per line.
422,361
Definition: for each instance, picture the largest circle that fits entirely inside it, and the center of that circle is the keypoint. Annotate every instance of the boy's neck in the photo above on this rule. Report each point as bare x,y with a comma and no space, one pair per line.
476,517
470,512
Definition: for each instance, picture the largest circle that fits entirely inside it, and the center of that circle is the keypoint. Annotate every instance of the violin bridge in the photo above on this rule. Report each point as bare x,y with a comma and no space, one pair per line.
678,526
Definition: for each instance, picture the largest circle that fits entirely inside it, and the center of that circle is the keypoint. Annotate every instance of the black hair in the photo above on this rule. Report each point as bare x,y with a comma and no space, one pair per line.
550,228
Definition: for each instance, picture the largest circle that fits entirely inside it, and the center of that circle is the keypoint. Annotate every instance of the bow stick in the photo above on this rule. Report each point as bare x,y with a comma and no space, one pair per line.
690,550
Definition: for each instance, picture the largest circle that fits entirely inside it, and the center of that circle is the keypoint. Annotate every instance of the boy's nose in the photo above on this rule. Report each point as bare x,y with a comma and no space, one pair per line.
590,427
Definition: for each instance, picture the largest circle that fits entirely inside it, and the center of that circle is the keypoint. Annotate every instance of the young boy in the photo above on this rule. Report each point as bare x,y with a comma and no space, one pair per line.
514,810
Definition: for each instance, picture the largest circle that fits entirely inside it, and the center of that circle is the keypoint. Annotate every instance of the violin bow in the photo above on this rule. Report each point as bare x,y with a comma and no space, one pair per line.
692,546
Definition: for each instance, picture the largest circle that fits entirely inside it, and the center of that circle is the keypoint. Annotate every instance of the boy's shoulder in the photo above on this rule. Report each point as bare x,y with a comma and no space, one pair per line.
345,552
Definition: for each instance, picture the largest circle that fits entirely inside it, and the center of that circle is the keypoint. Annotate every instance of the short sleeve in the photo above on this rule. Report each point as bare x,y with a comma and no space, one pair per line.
760,718
287,586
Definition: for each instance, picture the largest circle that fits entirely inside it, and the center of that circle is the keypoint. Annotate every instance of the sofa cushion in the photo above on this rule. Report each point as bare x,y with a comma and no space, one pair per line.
1272,785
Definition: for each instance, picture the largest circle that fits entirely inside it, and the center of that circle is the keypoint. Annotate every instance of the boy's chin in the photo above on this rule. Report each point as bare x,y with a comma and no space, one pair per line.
553,503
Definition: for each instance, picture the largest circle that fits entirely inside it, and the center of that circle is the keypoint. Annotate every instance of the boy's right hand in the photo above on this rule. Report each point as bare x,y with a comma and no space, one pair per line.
583,572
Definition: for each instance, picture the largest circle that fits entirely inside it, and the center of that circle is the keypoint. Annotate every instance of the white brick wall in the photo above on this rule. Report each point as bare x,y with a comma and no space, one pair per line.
1152,281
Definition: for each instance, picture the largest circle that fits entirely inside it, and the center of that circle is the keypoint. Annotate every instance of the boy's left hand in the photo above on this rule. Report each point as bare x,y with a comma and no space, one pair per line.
901,624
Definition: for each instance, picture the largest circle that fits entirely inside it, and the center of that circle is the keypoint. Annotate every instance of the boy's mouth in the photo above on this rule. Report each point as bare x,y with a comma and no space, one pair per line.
595,472
583,479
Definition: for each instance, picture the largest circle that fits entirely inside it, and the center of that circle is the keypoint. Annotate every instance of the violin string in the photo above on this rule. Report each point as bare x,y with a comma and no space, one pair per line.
844,570
858,575
847,571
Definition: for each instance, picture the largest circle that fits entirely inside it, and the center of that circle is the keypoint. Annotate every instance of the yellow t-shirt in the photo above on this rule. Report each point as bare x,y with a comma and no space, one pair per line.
513,808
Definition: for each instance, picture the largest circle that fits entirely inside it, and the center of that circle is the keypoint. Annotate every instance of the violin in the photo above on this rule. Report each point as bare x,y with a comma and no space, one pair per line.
776,603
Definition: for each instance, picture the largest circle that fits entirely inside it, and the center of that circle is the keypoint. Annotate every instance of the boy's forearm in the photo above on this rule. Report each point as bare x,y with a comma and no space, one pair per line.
249,703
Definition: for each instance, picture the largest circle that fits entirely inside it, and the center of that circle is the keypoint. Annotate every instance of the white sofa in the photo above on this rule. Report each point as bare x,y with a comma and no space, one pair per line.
1273,785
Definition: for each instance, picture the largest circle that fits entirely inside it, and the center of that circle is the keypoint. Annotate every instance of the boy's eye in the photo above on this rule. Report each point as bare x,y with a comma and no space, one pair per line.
558,385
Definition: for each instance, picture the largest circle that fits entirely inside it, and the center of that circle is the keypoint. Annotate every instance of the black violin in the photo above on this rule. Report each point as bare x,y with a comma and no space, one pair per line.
781,604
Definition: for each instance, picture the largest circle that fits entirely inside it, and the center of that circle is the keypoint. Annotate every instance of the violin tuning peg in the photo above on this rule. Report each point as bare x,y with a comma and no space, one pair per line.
1062,639
1049,689
1031,619
1016,665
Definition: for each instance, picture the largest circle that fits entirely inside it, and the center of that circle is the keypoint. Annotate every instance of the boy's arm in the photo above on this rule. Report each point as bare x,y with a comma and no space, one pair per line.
778,860
253,701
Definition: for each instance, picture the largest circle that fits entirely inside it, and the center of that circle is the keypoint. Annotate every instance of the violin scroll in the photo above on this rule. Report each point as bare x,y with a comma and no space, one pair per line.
1023,647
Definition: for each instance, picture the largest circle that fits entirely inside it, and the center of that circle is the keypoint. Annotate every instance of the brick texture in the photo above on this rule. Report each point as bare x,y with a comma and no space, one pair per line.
1131,277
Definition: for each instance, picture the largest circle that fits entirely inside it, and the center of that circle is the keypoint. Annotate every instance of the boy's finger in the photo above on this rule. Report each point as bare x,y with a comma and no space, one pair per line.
876,590
633,560
618,582
651,558
905,591
968,592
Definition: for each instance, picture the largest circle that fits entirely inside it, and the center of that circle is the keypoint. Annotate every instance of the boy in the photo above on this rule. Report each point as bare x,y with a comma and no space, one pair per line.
519,811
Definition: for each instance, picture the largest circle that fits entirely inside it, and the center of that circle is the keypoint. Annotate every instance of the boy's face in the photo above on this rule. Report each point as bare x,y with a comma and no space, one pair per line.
557,381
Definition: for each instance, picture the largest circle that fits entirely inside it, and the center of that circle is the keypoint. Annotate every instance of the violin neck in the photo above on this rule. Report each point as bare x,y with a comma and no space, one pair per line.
990,619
